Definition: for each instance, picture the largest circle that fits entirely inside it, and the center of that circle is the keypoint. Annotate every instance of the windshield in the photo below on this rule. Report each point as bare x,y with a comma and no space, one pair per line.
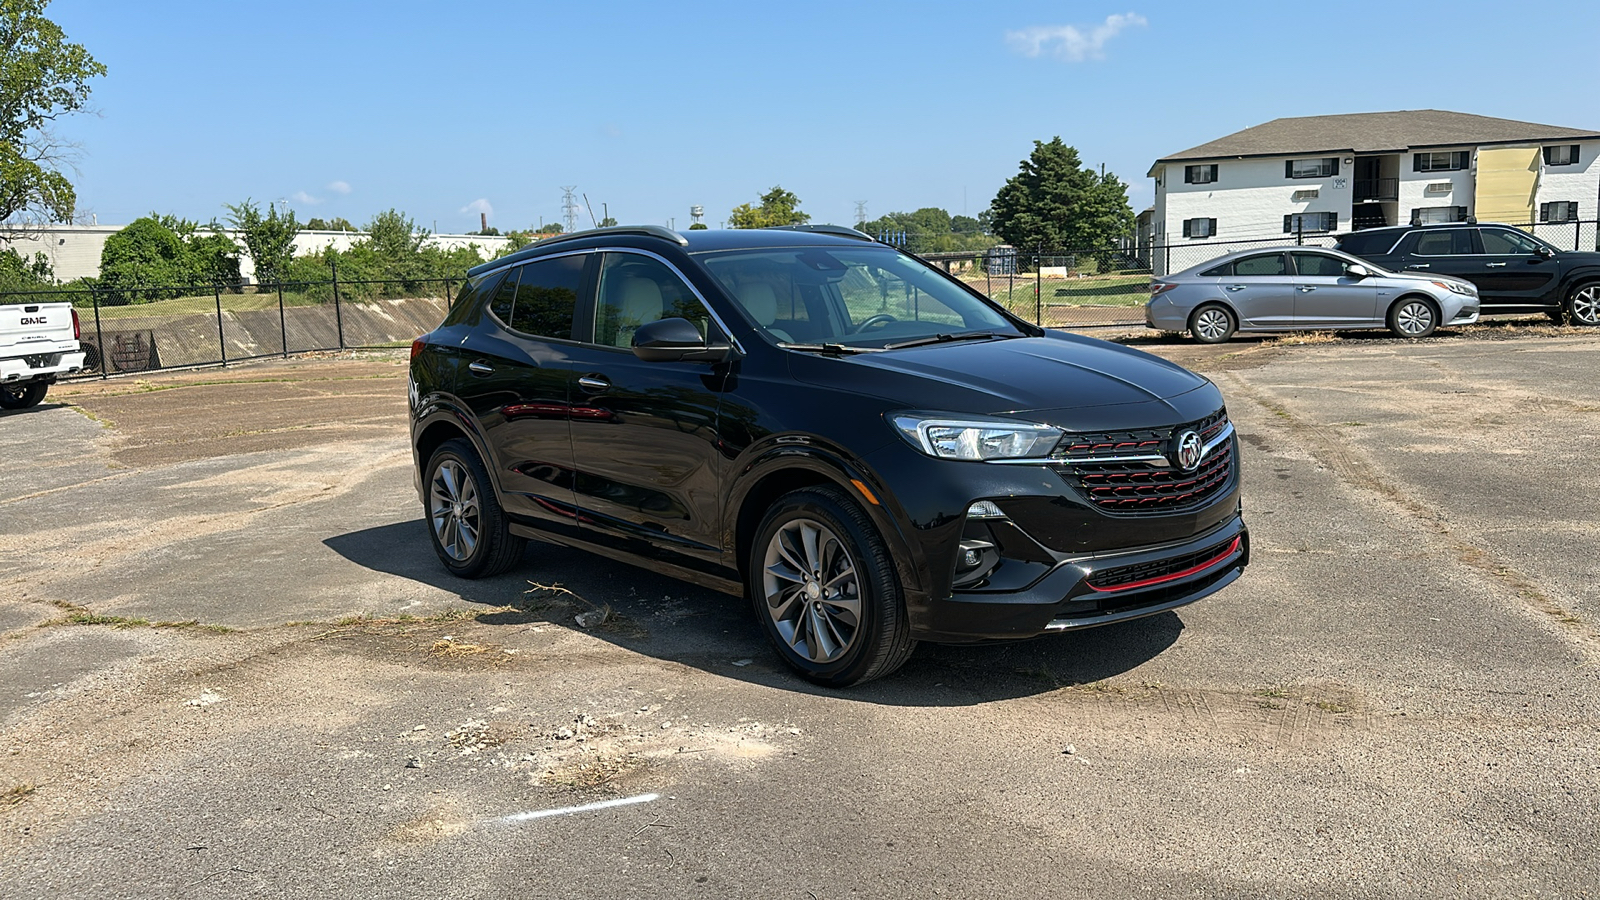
866,298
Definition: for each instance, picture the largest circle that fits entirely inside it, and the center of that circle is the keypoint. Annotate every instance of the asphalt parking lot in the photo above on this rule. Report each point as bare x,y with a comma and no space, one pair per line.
230,666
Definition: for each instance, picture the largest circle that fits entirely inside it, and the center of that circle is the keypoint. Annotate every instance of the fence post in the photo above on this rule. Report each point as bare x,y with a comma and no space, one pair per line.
1038,287
283,324
222,341
1299,232
338,316
99,337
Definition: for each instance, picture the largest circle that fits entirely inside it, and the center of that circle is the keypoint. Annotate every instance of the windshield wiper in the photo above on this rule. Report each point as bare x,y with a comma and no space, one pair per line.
946,338
826,348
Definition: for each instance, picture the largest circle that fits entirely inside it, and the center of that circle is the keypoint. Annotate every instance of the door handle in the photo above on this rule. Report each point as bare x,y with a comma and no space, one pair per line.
479,367
593,383
1235,287
1494,265
1306,289
1418,266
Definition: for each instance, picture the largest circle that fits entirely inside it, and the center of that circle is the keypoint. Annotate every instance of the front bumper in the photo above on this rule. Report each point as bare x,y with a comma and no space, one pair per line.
1096,590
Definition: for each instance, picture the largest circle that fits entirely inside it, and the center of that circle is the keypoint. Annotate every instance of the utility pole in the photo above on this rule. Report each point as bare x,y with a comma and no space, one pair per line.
861,213
569,207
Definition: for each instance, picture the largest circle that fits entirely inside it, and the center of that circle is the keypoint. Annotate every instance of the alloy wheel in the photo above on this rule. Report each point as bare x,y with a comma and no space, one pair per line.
1586,305
1414,318
1213,324
812,590
454,510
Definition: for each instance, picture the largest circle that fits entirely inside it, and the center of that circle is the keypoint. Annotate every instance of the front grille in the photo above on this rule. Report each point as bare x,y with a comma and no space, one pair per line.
1122,576
1144,487
42,360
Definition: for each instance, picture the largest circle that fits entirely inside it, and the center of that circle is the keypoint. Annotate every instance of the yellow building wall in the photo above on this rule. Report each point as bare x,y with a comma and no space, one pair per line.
1508,181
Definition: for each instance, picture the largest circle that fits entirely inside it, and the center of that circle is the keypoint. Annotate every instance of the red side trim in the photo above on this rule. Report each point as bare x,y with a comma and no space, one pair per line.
1148,582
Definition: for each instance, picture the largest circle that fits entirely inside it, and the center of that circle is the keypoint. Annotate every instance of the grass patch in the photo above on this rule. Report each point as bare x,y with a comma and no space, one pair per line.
1302,339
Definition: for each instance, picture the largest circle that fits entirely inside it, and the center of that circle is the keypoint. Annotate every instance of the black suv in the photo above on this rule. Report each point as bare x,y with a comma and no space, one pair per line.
1515,272
873,452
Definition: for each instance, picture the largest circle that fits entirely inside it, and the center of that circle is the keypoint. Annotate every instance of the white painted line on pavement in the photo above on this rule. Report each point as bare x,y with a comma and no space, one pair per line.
569,810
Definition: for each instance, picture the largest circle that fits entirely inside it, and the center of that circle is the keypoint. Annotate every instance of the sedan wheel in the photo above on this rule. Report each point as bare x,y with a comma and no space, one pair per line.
1211,325
1413,318
825,589
469,529
1584,307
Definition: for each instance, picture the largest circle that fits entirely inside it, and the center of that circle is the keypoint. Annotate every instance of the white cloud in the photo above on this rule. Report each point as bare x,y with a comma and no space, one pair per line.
305,198
479,205
1070,42
339,187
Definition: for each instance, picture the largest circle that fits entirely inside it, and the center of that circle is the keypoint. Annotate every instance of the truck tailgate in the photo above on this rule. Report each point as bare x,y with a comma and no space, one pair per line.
35,328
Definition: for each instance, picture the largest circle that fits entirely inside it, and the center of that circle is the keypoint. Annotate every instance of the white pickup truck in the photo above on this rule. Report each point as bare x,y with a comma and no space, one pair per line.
38,343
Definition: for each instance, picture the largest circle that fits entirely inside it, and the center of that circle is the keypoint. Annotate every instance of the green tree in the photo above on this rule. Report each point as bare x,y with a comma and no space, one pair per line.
42,78
608,222
552,228
1056,203
778,207
338,223
394,237
18,273
158,256
699,226
268,238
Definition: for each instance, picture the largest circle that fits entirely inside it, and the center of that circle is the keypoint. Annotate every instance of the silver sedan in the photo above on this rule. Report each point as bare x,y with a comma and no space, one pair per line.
1304,289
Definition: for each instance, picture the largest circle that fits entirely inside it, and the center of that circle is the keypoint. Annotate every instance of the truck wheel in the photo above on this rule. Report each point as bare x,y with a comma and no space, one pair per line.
1583,307
23,395
825,590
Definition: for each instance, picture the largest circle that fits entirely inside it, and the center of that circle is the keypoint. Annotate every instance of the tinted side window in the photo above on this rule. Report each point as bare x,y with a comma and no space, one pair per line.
504,297
547,296
636,290
1455,242
1317,264
1367,244
1507,243
1270,264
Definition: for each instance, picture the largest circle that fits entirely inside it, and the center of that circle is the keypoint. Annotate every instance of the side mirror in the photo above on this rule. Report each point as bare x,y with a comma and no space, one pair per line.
1358,271
1545,252
672,340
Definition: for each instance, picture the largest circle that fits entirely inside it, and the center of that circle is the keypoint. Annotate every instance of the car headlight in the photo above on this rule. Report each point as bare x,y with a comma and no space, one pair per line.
975,438
1457,287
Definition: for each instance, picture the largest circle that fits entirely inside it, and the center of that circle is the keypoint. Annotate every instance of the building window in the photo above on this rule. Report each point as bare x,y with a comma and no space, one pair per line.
1559,211
1311,168
1433,215
1564,155
1199,174
1299,223
1199,228
1441,162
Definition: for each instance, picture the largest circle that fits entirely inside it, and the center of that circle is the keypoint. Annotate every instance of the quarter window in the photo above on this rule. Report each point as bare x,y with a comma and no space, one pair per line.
1311,168
505,298
637,290
1296,223
1564,155
547,296
1558,211
1447,161
1199,174
1199,228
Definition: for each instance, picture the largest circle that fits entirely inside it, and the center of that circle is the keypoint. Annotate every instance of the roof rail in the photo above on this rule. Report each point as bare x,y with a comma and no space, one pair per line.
840,230
655,231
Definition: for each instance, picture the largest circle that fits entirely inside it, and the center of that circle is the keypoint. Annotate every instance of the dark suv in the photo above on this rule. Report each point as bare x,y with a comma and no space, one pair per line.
871,451
1515,272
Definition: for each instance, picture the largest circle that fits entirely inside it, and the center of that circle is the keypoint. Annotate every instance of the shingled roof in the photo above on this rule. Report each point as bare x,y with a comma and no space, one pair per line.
1382,132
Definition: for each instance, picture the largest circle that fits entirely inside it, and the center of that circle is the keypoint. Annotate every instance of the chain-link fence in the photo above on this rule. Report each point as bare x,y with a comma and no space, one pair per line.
142,329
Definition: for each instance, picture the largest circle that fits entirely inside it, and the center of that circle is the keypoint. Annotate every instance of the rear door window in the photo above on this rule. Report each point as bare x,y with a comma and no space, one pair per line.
546,296
1455,242
1266,264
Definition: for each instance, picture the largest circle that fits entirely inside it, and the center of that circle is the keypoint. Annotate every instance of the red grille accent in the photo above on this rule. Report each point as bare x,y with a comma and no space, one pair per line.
1132,578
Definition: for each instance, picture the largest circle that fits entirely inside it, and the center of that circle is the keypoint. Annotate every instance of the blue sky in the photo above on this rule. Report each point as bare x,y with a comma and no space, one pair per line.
441,110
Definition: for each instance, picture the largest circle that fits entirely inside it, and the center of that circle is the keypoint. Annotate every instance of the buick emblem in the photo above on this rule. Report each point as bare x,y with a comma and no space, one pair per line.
1189,450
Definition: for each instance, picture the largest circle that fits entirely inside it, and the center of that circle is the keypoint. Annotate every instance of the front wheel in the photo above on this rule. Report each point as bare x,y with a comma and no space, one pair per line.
470,531
825,590
1413,317
23,394
1212,325
1583,307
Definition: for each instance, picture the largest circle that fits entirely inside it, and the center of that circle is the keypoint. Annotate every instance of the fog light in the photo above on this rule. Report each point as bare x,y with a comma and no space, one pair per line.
984,509
970,558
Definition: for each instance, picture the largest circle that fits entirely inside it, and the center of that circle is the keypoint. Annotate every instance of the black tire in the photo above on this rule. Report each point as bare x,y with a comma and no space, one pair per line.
22,395
1413,317
1583,306
808,615
466,524
1212,324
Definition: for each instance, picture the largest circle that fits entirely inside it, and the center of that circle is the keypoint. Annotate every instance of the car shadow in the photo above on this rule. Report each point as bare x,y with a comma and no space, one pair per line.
659,616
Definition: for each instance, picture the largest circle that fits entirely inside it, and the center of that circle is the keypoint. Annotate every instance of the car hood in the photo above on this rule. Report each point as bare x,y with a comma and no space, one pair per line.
1065,380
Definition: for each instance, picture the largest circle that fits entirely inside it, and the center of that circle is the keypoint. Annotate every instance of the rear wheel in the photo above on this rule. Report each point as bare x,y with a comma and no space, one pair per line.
470,531
1583,307
825,590
1413,317
1212,325
22,395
